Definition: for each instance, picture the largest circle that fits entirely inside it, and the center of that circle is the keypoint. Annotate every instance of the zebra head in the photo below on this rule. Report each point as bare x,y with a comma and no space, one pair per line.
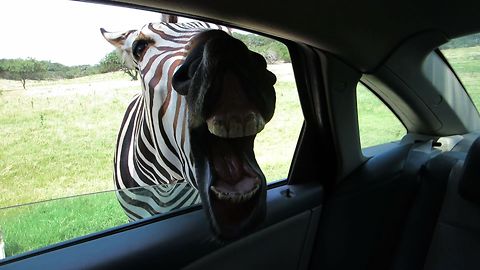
229,98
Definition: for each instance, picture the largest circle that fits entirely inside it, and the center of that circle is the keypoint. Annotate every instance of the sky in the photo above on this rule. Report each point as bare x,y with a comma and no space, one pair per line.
63,31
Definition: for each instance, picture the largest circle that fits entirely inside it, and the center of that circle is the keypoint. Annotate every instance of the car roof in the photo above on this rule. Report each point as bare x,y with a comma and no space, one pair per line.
362,33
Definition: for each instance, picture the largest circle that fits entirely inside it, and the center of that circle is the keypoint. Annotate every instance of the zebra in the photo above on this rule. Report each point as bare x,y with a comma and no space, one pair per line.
204,98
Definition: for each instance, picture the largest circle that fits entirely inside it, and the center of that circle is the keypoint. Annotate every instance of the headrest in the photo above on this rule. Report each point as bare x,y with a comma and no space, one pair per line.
469,186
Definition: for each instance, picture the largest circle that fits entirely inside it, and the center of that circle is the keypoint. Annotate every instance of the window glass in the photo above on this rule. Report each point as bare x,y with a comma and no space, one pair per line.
377,123
61,105
463,54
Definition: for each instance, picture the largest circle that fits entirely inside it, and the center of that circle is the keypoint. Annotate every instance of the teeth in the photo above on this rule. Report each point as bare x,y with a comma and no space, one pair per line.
236,127
234,197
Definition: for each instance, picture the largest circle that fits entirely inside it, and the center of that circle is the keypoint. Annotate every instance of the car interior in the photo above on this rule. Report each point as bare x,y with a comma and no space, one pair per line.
409,204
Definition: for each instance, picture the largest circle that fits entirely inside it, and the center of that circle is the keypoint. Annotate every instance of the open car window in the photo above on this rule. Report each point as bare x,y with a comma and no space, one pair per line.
61,106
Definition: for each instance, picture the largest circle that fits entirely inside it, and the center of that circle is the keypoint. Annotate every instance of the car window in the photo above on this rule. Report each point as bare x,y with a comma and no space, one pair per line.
62,101
377,123
463,54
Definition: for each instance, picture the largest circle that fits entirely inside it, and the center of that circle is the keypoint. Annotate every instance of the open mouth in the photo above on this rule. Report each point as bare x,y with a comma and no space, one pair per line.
230,148
237,185
235,180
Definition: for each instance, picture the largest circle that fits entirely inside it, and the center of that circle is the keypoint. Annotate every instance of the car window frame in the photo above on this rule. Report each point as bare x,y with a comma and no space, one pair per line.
186,210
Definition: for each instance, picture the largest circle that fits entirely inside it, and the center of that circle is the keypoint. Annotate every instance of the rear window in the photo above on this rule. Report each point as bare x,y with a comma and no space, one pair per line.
463,54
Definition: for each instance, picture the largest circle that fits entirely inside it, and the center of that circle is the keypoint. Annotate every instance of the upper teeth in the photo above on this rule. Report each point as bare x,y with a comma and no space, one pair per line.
234,197
236,126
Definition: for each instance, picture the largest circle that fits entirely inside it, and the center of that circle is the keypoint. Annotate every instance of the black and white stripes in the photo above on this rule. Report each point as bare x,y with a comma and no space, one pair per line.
189,135
152,159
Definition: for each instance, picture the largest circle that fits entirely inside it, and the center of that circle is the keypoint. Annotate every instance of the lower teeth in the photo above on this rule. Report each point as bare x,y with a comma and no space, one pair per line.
234,196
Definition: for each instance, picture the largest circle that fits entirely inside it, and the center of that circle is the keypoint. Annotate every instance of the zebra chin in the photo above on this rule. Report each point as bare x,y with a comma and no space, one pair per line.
231,183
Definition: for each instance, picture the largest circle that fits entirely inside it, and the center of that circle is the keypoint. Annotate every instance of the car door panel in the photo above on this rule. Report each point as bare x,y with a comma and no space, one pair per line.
282,247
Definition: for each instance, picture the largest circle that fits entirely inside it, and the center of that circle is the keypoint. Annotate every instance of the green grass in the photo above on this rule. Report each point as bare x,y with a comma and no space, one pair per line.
56,145
33,226
57,141
376,122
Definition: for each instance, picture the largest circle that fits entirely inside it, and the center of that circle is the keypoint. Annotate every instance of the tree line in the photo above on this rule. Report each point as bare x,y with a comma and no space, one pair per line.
32,69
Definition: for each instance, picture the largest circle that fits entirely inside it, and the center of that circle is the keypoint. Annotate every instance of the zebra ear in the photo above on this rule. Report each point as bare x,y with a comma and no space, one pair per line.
117,39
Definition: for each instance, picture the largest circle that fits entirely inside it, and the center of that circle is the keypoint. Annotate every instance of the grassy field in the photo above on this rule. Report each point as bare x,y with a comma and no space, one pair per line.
58,139
62,134
37,225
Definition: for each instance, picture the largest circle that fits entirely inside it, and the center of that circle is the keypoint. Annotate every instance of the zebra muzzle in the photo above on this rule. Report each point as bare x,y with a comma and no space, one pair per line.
236,126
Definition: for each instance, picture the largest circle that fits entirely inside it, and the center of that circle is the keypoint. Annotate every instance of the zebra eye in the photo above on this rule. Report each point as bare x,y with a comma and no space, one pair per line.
138,48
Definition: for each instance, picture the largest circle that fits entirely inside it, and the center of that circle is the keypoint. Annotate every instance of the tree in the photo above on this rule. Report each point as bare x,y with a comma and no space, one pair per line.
113,62
22,70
